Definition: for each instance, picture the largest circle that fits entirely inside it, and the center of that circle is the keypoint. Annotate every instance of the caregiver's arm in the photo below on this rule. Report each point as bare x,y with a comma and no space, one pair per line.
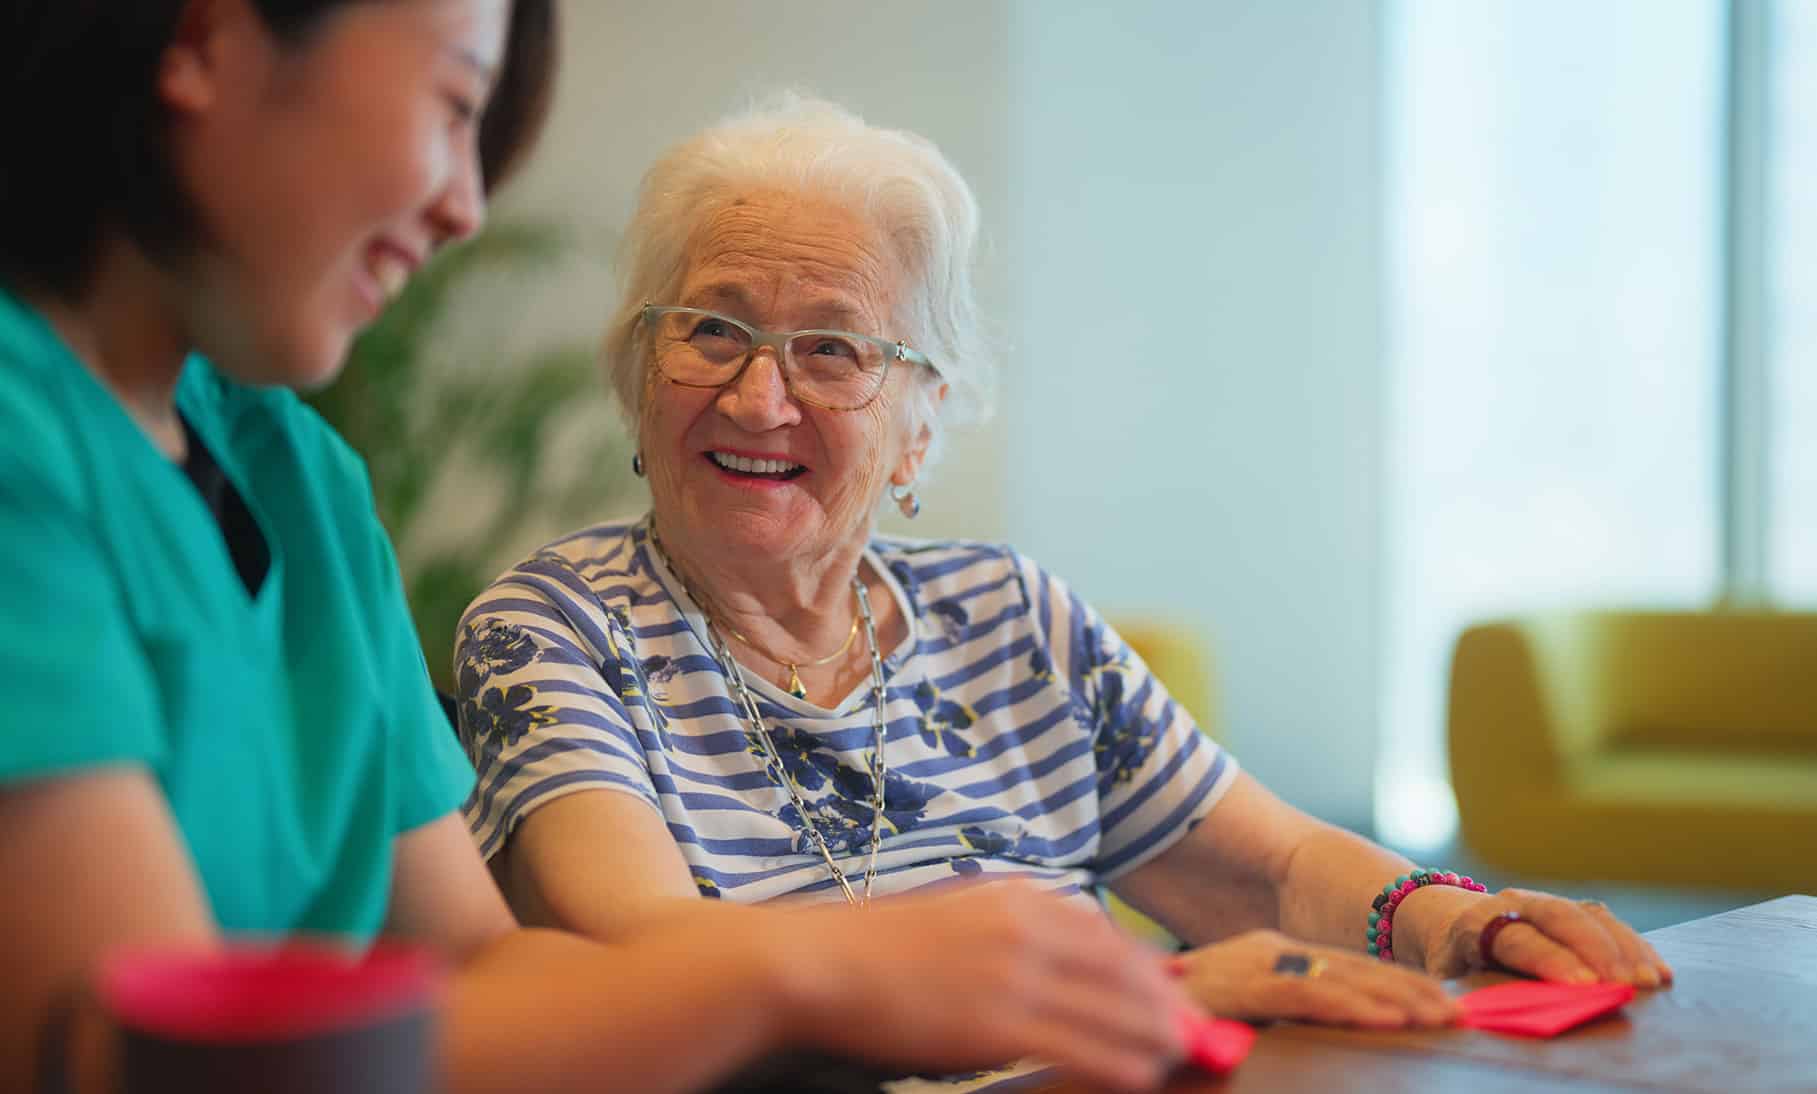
949,982
547,1011
89,862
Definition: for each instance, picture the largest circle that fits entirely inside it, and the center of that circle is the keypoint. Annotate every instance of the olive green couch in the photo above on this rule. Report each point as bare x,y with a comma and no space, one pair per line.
1658,747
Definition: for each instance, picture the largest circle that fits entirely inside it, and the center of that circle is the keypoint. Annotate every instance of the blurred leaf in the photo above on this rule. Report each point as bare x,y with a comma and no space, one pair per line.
415,427
439,592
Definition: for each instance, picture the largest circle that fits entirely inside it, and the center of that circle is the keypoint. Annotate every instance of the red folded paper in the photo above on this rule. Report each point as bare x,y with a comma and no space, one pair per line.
1217,1044
1532,1008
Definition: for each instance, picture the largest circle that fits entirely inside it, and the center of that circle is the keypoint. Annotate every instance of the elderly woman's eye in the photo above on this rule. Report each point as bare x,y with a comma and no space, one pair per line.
714,333
834,347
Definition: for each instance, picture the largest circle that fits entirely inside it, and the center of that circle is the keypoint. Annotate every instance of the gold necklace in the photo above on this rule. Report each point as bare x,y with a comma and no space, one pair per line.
795,686
710,610
778,770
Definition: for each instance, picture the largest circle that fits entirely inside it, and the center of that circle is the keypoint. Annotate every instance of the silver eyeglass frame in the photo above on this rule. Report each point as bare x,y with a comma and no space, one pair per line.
778,341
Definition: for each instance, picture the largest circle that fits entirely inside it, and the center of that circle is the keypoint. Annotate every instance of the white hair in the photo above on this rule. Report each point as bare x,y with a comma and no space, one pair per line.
897,181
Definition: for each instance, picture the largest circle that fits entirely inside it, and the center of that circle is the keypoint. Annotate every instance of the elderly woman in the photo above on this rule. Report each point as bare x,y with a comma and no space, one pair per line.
750,696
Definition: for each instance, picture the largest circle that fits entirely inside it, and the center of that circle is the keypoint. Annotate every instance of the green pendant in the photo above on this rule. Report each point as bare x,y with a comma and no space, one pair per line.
795,686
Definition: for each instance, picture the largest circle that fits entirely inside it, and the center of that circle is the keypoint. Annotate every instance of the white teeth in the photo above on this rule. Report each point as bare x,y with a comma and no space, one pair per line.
750,466
390,272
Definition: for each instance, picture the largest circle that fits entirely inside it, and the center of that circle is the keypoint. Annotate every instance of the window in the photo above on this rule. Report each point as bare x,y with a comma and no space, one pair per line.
1556,262
1789,62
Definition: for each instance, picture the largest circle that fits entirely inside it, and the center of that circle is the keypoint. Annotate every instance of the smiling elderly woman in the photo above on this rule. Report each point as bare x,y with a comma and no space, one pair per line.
750,696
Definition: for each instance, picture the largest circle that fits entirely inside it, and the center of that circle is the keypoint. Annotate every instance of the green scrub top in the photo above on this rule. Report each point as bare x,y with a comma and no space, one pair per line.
293,732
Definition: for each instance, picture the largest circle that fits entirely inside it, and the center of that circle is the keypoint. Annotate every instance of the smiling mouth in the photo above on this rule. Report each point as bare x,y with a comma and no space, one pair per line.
774,470
389,265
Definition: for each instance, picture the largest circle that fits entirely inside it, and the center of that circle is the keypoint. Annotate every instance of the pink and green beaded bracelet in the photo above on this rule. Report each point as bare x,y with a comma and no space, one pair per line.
1381,919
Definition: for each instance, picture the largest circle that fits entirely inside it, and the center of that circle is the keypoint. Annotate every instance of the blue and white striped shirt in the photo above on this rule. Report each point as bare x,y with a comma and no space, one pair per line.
1022,735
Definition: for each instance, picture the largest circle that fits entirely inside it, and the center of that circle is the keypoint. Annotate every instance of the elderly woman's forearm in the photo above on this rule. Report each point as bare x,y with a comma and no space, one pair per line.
621,924
1331,877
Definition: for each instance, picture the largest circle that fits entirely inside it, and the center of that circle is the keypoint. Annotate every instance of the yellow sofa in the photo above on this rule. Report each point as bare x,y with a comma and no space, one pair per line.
1178,656
1663,747
1180,659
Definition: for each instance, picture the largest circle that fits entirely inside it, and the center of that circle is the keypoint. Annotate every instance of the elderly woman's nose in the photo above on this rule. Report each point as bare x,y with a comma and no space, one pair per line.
759,399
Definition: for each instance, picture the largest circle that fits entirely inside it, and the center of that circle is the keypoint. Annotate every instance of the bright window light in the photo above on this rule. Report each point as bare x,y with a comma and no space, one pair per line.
1554,229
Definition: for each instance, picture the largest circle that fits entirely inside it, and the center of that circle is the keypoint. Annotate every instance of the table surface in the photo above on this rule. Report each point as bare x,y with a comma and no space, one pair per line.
1741,1015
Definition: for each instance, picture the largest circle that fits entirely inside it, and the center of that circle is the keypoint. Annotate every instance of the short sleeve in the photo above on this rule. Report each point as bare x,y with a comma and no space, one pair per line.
544,675
426,770
432,774
81,687
1158,775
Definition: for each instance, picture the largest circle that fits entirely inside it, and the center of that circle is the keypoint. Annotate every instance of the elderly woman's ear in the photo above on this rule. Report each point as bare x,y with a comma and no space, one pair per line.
915,454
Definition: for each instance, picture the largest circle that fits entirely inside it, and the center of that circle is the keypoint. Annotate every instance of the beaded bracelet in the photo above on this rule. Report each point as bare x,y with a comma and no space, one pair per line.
1381,919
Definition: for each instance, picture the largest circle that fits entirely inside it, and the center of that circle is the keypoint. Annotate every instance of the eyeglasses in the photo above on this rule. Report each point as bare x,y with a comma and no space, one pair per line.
831,369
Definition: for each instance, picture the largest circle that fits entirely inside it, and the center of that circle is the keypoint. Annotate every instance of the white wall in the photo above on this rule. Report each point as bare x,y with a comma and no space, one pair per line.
1183,203
1196,426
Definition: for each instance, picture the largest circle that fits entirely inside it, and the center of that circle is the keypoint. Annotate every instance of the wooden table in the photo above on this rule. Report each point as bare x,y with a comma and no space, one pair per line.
1742,1016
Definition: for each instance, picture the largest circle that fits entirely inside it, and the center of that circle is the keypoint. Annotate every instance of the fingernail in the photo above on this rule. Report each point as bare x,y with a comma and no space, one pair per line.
1648,976
1582,976
1666,974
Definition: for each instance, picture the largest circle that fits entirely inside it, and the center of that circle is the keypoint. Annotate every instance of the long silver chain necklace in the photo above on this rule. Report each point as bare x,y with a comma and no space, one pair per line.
773,759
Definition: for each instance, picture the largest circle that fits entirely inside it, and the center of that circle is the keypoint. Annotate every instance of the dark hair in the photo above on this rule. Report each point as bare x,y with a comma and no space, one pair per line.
82,130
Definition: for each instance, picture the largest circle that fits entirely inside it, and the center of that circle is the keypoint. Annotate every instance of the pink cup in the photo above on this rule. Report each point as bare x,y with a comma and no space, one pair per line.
289,1019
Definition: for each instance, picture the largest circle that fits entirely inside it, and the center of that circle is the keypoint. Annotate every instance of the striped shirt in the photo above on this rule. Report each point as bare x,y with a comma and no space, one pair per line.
1022,735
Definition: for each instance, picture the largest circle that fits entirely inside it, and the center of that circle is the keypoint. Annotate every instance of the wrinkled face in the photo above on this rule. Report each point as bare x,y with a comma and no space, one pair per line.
324,172
779,262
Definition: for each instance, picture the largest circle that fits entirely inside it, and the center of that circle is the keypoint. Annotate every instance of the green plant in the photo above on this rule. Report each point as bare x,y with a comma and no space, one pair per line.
478,452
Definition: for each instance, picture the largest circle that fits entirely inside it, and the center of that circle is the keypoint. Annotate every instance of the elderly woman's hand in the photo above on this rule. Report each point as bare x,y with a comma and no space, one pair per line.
1550,937
1263,974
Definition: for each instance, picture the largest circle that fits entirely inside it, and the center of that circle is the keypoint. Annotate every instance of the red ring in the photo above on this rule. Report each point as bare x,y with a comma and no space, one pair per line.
1485,942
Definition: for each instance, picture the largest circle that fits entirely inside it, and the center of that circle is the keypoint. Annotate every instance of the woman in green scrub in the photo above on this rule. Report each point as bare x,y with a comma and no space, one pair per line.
218,720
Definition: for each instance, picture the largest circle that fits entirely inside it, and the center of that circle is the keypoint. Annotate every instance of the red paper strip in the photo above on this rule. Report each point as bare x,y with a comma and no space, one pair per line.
1531,1008
1217,1044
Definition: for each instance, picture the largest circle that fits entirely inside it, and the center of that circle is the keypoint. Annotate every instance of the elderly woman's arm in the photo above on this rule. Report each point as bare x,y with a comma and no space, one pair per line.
552,872
1231,868
1256,862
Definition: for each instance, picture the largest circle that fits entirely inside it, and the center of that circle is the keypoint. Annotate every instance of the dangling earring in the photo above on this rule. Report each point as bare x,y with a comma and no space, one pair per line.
905,499
637,464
